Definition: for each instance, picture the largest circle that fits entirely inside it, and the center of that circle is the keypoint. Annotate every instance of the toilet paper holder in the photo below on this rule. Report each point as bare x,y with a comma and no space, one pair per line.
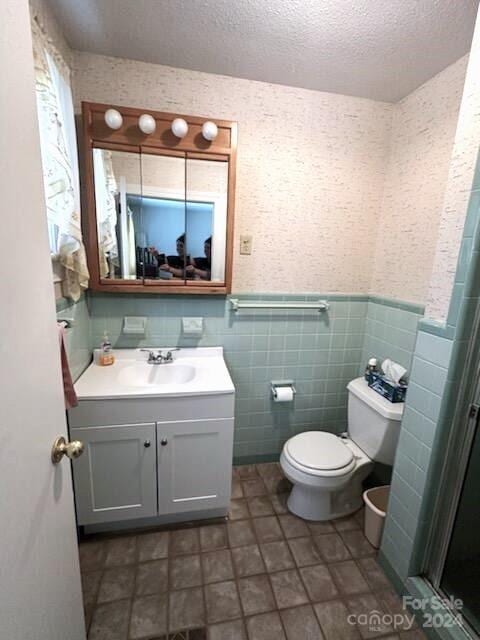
279,384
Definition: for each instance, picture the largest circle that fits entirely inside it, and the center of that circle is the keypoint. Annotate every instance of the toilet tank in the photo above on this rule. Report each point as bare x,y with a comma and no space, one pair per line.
373,421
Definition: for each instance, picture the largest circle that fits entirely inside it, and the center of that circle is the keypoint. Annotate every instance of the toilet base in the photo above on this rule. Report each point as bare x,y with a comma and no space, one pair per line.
320,505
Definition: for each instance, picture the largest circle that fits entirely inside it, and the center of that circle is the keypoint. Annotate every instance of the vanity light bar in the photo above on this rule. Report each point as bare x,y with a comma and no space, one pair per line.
320,305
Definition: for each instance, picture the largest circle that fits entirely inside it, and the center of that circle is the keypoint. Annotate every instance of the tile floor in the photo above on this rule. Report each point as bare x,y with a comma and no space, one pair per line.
262,575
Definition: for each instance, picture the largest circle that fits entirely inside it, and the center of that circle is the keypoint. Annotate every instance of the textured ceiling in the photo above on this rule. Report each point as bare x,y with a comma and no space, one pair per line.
379,49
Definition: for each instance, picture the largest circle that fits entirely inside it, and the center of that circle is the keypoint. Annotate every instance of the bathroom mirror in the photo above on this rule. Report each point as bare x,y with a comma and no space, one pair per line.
160,208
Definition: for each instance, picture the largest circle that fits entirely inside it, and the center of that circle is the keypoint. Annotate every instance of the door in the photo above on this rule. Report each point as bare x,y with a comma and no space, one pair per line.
39,570
116,478
194,465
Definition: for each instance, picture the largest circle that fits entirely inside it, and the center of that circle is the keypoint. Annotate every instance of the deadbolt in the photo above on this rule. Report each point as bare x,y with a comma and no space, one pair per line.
62,448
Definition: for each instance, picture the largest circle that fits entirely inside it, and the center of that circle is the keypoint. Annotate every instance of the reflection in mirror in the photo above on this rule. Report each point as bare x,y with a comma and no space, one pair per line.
163,215
117,183
206,218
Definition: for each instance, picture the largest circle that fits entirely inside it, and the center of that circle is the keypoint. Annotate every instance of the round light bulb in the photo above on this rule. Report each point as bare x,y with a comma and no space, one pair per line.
147,123
179,128
209,130
113,118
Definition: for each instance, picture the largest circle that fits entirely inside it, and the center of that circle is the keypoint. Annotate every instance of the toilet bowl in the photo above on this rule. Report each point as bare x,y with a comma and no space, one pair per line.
327,471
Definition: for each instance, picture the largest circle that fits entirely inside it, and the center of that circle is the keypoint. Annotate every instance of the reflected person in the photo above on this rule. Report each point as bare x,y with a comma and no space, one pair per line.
201,267
176,264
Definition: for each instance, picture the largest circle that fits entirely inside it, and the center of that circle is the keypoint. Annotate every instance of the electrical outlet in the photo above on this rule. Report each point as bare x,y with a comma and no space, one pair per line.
246,245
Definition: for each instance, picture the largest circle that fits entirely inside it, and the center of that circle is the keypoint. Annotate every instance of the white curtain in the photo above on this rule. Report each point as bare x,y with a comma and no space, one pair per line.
106,190
59,160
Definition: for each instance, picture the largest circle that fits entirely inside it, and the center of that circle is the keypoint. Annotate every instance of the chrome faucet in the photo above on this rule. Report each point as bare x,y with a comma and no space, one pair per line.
158,357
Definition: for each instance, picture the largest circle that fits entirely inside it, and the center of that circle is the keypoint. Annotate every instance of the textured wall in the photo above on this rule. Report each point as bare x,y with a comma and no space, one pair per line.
310,167
459,185
423,132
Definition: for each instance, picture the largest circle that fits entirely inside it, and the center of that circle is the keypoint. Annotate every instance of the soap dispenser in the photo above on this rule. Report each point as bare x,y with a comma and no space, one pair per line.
107,356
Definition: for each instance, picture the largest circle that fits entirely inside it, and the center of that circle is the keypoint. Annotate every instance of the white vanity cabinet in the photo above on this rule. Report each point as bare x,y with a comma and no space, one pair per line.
153,459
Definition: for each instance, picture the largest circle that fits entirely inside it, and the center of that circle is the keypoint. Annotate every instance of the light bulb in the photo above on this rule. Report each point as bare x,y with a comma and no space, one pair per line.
209,130
147,123
179,128
113,118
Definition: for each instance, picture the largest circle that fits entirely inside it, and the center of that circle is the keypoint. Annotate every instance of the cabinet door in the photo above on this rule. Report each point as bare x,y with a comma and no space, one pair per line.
195,465
116,477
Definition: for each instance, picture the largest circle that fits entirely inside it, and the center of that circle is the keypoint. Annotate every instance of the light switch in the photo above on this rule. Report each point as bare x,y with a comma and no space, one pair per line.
192,326
246,245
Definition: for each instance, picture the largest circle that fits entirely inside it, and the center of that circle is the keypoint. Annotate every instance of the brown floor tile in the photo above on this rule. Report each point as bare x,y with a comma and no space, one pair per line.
319,583
237,491
331,547
248,561
253,487
185,571
90,584
393,604
116,584
110,621
238,509
260,506
414,634
277,484
227,631
373,574
217,566
121,551
288,589
304,551
348,577
152,577
92,555
266,626
349,523
184,541
277,556
268,469
246,471
256,595
292,526
267,529
222,601
88,610
300,623
279,502
153,546
365,604
333,618
213,537
149,616
357,544
317,528
186,609
240,533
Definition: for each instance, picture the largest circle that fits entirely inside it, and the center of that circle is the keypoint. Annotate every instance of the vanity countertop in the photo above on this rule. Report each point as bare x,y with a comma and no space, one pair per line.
198,371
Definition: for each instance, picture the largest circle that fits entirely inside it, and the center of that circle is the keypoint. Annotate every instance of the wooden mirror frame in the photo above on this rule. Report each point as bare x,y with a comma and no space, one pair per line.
129,137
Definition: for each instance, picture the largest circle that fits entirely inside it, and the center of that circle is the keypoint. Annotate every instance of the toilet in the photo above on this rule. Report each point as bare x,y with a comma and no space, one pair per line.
327,470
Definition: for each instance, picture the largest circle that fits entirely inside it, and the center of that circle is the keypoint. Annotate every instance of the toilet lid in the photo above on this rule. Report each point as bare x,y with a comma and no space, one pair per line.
319,450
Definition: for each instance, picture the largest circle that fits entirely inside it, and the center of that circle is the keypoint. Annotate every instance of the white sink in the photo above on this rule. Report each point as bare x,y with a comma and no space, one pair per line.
139,375
192,372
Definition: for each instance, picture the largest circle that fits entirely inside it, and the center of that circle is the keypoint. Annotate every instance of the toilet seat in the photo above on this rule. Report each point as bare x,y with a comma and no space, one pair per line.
319,453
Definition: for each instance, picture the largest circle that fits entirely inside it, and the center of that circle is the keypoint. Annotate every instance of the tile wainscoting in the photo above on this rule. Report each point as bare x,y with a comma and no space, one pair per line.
321,352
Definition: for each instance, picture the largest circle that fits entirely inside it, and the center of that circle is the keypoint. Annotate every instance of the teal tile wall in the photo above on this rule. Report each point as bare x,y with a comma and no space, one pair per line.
78,344
390,330
321,352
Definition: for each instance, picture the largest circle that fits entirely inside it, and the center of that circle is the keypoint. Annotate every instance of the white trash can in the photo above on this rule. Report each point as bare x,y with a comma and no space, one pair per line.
376,501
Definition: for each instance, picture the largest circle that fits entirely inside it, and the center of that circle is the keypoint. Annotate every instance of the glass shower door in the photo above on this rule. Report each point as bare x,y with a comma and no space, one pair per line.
461,574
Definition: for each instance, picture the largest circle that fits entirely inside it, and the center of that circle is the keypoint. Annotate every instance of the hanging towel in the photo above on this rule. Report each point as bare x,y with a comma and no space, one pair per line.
68,388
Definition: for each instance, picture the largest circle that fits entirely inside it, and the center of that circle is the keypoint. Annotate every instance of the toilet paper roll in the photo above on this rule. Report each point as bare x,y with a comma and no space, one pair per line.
283,394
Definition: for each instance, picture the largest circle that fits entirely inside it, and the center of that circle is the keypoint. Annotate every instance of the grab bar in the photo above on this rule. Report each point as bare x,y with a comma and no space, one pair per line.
319,305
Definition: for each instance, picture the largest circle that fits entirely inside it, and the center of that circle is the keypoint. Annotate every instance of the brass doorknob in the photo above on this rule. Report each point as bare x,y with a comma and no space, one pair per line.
62,448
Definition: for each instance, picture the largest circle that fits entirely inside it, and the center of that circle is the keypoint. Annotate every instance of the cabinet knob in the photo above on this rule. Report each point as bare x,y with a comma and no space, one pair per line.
163,442
146,444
